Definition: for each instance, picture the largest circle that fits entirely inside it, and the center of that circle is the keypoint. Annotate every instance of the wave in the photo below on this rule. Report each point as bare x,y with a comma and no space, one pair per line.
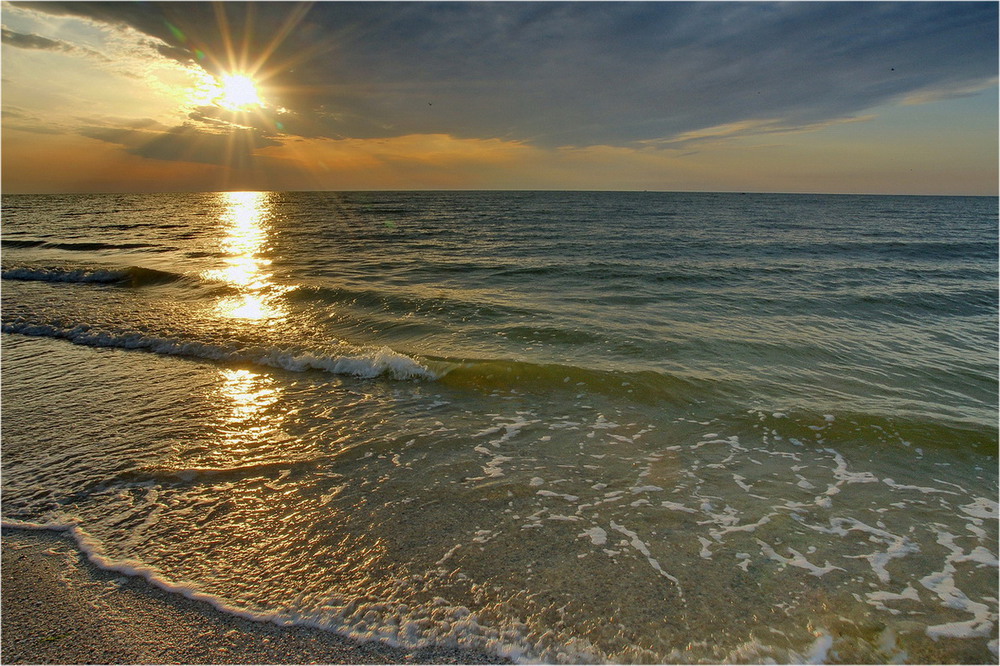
357,362
437,624
131,276
865,429
370,362
374,299
207,474
77,246
646,386
94,551
20,243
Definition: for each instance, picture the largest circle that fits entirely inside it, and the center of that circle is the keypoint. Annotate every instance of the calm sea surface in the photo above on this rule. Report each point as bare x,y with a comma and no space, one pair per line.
638,427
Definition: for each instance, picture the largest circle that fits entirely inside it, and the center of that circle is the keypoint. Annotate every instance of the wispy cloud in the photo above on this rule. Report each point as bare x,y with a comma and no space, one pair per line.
23,41
953,91
37,42
748,128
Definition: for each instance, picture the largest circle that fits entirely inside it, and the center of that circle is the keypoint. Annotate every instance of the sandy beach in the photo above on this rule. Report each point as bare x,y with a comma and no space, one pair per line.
59,608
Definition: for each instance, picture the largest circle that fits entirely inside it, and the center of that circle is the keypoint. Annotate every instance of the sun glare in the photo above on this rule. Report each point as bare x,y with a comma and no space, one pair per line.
238,92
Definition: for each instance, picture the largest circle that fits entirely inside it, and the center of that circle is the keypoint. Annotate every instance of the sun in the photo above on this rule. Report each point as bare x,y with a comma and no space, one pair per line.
238,92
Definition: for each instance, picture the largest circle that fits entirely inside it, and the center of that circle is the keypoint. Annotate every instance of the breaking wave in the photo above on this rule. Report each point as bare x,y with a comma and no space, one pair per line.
357,362
131,276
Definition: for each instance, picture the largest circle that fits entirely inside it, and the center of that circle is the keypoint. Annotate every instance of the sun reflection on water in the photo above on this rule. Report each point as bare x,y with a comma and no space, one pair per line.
248,391
245,222
248,423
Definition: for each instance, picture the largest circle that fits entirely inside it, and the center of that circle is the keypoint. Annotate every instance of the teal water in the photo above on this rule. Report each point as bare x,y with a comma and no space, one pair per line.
656,427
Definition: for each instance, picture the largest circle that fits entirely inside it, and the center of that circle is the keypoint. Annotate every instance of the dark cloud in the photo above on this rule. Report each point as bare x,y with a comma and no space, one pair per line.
186,143
16,118
573,73
23,41
119,123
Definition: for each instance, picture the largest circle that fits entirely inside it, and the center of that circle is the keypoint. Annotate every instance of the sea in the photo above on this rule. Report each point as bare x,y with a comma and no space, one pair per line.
563,427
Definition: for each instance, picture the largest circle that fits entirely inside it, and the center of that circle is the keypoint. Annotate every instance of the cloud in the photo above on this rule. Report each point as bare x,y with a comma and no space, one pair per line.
575,74
23,120
37,42
119,123
185,143
750,127
23,41
937,94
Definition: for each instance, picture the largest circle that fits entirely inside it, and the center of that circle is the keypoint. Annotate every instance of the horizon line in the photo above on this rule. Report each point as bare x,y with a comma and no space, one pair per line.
513,190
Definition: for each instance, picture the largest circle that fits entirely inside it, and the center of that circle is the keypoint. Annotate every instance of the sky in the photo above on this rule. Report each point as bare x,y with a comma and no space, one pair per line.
873,97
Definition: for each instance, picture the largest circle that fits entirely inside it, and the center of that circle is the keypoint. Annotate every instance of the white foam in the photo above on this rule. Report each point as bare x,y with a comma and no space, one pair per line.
922,489
639,545
968,629
549,493
982,508
797,560
898,547
55,274
744,559
598,536
367,365
493,468
95,553
674,506
843,475
603,424
447,556
483,536
981,555
942,583
441,624
880,598
749,527
361,363
820,648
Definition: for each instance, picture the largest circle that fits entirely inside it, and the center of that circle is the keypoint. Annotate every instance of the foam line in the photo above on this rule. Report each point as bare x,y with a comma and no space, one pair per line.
452,626
366,364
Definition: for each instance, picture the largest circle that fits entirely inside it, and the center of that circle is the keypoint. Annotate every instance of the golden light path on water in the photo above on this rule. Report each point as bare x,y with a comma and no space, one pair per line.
250,394
245,224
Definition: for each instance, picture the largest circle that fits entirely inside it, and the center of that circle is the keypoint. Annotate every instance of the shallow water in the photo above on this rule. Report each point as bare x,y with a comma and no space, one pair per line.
556,426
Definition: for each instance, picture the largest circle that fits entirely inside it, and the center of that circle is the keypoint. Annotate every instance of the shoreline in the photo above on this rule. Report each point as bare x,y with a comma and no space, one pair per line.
58,607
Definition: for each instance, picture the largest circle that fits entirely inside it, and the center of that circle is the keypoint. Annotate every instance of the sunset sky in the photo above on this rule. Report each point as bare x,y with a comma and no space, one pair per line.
786,97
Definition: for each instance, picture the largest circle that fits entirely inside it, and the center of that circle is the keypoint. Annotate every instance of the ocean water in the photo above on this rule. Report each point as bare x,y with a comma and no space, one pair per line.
560,427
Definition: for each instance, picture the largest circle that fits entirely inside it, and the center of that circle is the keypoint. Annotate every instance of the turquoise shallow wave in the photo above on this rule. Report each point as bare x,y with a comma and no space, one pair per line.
558,426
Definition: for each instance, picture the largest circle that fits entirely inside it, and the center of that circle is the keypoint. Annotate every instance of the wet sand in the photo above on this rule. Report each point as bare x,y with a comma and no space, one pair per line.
57,607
